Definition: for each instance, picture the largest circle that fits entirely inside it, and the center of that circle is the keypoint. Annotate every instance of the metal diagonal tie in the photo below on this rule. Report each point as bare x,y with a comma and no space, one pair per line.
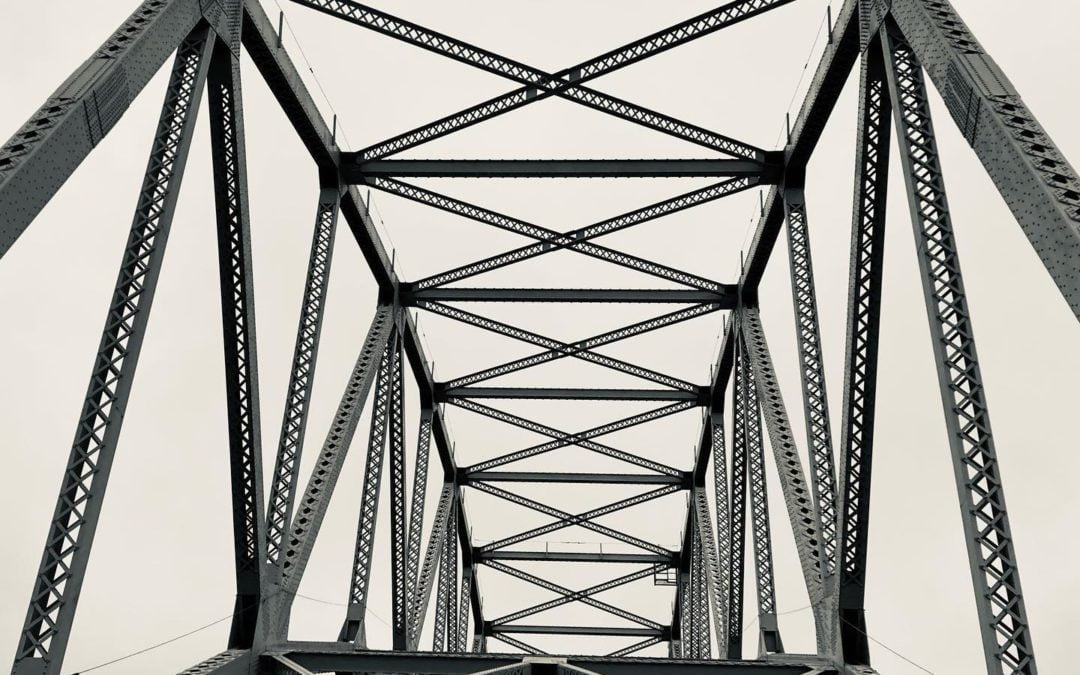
566,83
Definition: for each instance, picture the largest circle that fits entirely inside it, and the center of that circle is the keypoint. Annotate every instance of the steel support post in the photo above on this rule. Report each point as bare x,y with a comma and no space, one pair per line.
302,374
446,614
41,155
416,514
399,535
769,641
737,559
998,597
309,516
797,497
861,359
382,403
1040,186
432,558
812,371
723,533
714,591
60,576
238,322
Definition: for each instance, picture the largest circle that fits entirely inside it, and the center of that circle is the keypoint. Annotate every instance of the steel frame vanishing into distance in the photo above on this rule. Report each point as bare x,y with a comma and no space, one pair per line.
896,42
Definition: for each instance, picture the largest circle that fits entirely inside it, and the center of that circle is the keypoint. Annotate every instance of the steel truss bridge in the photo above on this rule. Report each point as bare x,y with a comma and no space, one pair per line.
896,45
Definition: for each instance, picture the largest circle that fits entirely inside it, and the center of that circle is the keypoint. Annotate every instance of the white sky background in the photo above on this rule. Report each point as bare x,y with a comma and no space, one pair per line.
162,558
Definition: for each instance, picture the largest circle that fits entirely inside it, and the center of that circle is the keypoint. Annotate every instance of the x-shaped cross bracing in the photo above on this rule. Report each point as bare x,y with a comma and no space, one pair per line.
566,83
549,240
565,515
581,349
580,439
568,596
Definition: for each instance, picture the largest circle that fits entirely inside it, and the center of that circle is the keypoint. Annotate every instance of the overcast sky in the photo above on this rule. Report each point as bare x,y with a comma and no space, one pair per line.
162,559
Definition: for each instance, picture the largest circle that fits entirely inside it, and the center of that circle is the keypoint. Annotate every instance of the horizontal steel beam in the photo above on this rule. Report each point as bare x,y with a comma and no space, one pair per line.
342,657
571,556
544,477
609,631
444,393
726,297
354,169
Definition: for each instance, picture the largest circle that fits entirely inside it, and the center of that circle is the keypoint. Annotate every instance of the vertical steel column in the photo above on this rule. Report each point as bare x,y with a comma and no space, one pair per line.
863,326
723,534
426,578
464,599
399,543
797,497
389,369
737,559
312,509
769,641
812,371
446,598
49,617
416,509
302,375
998,597
238,323
714,593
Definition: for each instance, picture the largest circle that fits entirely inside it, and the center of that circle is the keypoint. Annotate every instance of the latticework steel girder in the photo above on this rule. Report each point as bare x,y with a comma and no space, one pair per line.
830,527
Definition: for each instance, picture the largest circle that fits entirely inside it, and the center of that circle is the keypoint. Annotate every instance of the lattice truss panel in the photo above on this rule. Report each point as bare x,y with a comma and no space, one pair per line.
632,534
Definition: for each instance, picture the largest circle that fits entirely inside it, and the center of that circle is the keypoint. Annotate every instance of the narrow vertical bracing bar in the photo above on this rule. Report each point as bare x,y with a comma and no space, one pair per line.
714,599
238,323
416,516
998,597
797,495
723,534
302,375
312,508
769,629
444,637
353,628
399,543
812,371
863,326
49,618
432,557
737,558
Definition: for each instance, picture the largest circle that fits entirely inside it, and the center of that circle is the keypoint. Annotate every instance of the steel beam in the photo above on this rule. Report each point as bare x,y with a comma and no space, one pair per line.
357,170
812,374
446,393
726,297
51,612
228,149
580,439
769,640
739,459
45,151
581,349
595,478
797,497
998,597
309,516
566,83
329,656
861,359
416,515
1040,186
837,60
567,556
302,374
576,240
386,390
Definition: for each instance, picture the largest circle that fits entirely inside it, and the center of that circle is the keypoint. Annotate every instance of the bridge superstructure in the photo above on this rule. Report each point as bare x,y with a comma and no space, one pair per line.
725,532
